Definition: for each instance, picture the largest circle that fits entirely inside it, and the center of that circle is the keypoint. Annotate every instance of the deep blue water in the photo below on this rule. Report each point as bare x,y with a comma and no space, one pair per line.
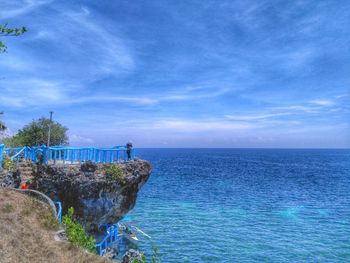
244,205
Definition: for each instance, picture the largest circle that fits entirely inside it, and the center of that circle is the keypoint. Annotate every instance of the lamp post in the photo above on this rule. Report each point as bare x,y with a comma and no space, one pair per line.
49,133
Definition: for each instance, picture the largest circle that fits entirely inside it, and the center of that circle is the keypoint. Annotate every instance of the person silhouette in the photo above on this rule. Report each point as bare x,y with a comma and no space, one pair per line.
129,149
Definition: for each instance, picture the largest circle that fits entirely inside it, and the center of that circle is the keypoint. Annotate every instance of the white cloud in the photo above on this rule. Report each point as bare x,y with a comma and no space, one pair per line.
110,99
12,8
23,93
322,102
79,139
198,125
255,117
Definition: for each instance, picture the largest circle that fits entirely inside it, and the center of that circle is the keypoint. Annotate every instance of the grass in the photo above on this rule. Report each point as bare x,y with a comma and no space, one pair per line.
7,208
27,233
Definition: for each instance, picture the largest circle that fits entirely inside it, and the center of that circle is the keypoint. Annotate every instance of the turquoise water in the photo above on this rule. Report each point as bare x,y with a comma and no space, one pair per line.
230,205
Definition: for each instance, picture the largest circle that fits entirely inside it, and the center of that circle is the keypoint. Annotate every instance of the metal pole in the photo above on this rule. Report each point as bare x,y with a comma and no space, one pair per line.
49,134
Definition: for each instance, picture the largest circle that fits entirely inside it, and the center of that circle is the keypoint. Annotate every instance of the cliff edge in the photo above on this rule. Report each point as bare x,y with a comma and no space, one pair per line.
99,193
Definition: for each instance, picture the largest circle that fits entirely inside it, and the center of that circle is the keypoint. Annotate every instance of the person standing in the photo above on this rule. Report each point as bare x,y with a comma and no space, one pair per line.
128,150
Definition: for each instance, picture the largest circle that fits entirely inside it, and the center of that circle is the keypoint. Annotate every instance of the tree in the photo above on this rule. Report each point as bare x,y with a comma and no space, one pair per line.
2,124
5,31
36,132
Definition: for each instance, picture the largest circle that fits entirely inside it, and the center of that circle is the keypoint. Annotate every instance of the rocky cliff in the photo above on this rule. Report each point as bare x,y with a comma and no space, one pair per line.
96,193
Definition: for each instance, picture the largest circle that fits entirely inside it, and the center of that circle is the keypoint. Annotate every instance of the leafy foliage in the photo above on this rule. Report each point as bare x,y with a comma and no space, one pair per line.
7,31
7,163
144,260
115,172
76,233
154,255
36,133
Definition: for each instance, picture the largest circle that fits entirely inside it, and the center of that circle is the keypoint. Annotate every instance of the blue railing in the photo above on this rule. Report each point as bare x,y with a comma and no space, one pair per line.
58,211
2,147
64,154
110,237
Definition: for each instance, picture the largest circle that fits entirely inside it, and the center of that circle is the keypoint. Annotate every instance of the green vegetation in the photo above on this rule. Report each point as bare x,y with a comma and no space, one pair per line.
36,132
76,233
8,208
7,164
154,255
49,221
5,31
115,172
144,260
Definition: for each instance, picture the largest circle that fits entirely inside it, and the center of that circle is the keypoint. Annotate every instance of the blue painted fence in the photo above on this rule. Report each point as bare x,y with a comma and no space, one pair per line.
58,211
71,155
110,237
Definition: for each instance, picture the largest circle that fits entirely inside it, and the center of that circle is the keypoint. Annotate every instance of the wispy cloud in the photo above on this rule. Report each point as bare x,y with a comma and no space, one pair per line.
23,93
11,8
77,139
249,72
256,117
323,102
188,126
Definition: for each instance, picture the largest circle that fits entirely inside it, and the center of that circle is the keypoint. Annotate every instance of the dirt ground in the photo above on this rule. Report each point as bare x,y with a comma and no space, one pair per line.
27,229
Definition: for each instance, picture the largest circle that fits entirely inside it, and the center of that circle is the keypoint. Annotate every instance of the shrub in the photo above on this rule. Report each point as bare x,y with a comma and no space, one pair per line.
115,172
7,164
154,257
76,232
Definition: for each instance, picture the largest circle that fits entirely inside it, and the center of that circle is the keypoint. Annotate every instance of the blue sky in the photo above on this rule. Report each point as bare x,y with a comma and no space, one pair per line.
181,73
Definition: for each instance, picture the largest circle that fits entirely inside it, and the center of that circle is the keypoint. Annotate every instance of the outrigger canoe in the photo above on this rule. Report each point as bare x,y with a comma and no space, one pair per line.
129,231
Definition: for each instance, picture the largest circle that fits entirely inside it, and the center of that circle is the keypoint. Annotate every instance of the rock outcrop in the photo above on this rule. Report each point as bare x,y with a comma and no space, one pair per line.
131,256
97,196
10,179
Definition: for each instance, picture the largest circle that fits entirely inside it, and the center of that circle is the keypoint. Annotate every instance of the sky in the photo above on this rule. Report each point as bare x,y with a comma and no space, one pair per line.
168,73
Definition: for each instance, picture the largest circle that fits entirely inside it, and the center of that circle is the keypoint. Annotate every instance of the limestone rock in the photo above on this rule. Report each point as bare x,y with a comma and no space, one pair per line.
130,255
96,197
10,179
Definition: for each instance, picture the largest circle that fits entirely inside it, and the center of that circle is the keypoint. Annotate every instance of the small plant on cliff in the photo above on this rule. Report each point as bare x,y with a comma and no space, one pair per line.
144,260
76,232
7,163
154,255
115,172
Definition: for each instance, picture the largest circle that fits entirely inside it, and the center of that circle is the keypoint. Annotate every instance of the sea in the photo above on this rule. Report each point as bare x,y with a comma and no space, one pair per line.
245,205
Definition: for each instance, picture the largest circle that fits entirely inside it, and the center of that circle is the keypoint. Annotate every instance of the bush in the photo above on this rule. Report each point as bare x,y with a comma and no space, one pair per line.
115,172
7,163
76,232
144,260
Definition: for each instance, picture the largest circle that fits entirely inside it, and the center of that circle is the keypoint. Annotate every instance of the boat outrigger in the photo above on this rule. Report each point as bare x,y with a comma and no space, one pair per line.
129,231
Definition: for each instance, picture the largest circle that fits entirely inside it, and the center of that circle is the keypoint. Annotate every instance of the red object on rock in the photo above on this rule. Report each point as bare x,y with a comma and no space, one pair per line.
25,187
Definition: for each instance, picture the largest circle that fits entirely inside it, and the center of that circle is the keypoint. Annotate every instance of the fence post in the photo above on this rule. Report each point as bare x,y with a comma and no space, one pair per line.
45,154
2,146
64,157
